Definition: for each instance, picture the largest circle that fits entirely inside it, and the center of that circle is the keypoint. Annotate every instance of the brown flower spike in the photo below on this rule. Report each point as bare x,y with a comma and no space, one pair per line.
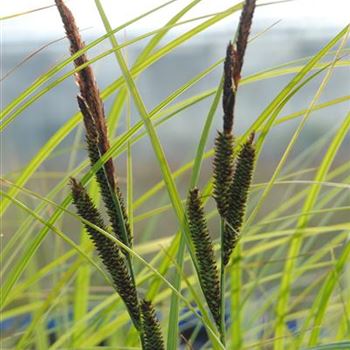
244,26
87,83
91,106
119,267
229,93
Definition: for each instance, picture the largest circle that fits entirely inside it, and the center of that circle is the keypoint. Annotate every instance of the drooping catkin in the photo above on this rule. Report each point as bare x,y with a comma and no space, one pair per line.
203,245
108,251
238,197
153,339
91,106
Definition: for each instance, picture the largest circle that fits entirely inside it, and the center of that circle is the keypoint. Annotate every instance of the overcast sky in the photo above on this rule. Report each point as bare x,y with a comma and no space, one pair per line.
46,23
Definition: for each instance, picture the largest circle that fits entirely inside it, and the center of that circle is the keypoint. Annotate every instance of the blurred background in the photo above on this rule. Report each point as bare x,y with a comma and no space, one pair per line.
299,29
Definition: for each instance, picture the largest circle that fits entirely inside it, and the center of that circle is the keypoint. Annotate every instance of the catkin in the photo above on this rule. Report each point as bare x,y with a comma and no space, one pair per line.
91,106
244,27
108,251
223,165
204,250
229,92
238,196
153,339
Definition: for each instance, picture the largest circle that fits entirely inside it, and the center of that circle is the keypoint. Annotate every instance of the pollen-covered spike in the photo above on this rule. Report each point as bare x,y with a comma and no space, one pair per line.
244,26
91,106
229,93
87,84
108,251
153,339
223,170
238,197
204,250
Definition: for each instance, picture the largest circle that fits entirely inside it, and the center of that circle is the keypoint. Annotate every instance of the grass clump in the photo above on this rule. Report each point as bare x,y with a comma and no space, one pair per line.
232,178
121,269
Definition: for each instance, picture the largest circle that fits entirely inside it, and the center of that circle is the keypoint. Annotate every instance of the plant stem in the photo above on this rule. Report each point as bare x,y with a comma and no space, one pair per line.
222,287
236,306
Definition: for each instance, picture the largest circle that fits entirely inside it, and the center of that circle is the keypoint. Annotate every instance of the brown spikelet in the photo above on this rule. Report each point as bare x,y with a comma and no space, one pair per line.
92,110
229,93
244,26
238,197
233,64
208,272
153,339
87,85
223,170
108,251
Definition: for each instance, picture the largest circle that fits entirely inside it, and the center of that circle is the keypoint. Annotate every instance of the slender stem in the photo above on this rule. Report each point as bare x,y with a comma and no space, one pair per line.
222,287
236,278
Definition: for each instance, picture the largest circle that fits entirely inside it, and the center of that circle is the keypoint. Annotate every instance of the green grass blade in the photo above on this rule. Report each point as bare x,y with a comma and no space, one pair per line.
288,88
334,346
320,305
303,221
11,280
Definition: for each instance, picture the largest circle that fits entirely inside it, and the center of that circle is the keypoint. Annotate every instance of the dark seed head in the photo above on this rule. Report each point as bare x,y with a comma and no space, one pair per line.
153,339
204,250
238,196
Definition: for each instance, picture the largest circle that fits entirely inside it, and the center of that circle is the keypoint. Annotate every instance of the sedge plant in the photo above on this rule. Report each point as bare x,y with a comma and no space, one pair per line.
245,288
119,267
231,187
